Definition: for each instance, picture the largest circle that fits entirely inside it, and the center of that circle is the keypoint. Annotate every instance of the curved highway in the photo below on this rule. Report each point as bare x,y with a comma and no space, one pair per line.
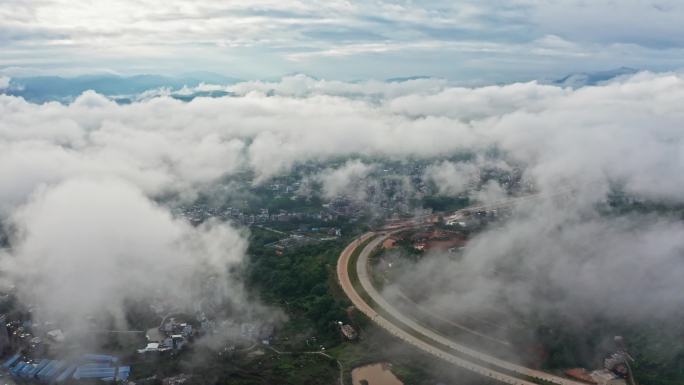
496,368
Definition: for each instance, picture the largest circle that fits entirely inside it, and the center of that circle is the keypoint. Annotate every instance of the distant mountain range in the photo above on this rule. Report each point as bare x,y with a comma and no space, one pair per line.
46,88
582,79
125,89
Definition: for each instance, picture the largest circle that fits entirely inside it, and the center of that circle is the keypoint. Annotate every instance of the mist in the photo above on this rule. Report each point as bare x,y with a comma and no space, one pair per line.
81,186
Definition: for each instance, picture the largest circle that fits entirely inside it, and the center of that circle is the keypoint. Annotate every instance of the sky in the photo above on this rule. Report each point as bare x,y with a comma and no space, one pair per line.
469,41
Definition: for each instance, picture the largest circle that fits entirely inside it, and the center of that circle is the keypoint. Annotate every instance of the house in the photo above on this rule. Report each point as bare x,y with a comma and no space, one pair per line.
348,332
606,377
151,347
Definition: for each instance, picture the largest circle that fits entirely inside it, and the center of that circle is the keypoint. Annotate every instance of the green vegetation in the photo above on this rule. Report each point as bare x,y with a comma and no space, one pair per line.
261,237
299,282
658,351
303,283
656,347
260,367
410,365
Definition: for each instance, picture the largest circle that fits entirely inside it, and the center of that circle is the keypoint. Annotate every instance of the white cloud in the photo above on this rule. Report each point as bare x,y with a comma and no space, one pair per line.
554,262
347,180
54,158
491,192
4,83
304,86
453,178
626,130
83,247
521,39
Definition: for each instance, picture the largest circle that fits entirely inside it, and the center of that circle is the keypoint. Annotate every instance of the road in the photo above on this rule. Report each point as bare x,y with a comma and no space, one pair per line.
361,305
436,316
399,324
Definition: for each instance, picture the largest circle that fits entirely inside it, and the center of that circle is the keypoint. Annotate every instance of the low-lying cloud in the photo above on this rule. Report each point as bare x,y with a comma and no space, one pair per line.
79,182
83,247
350,180
628,129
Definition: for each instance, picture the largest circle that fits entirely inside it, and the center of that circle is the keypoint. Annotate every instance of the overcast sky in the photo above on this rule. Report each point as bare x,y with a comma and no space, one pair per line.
470,41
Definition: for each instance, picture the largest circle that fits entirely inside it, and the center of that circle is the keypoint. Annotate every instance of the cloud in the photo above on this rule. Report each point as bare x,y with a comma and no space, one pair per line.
83,247
304,86
626,130
626,133
467,104
453,178
94,136
490,40
574,20
469,178
491,192
350,179
4,83
552,262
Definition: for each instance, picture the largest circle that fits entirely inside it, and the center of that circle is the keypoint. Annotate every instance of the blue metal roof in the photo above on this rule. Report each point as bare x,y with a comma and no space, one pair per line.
18,367
93,366
123,373
99,358
95,373
11,361
45,369
24,372
95,370
41,365
36,368
66,374
50,371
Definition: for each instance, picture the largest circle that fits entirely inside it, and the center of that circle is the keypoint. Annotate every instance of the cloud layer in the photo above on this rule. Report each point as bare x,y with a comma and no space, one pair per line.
83,247
78,182
627,130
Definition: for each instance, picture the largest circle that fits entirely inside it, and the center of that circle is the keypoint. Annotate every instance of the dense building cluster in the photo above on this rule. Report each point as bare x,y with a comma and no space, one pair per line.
87,367
170,336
